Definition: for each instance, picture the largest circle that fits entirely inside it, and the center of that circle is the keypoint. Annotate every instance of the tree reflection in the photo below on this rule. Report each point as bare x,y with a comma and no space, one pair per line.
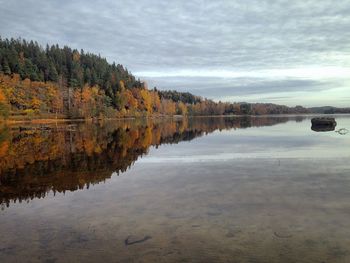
35,161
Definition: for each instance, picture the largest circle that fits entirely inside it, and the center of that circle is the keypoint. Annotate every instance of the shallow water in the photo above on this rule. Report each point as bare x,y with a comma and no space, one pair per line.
265,189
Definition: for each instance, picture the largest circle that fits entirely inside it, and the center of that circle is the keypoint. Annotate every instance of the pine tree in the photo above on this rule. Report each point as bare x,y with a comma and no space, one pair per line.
53,75
5,67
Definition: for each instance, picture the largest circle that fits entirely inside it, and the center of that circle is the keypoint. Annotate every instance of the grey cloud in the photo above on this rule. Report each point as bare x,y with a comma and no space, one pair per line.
212,87
149,35
152,34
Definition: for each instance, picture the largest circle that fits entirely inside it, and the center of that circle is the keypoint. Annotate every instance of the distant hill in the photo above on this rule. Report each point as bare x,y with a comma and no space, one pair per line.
329,110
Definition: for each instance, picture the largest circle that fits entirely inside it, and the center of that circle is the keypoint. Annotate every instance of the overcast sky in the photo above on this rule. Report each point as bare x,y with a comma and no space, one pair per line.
288,52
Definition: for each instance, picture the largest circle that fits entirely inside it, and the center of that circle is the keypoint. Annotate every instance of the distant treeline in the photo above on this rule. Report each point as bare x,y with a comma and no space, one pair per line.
329,110
38,82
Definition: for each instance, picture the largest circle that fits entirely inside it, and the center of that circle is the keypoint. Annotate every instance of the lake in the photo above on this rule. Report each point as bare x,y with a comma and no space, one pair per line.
210,189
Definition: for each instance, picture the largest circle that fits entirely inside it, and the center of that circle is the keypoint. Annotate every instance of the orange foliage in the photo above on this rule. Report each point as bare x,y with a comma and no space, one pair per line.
4,148
131,101
3,99
27,94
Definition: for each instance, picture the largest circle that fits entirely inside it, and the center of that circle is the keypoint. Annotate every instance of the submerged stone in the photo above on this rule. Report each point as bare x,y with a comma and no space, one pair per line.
342,131
131,240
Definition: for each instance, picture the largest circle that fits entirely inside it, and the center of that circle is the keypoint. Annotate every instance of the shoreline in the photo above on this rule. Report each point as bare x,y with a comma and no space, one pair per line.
66,120
62,120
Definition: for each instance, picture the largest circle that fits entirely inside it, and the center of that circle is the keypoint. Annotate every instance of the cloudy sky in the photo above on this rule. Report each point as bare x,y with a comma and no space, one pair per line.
280,51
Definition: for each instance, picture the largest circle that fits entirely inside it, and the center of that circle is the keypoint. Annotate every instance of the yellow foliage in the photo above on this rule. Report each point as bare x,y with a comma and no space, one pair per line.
147,100
76,56
182,108
35,103
122,85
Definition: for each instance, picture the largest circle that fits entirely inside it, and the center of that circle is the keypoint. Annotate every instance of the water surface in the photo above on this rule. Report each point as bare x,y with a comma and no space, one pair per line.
264,189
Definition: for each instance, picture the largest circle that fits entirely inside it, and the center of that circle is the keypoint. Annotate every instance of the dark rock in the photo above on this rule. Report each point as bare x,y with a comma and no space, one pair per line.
323,124
322,128
323,121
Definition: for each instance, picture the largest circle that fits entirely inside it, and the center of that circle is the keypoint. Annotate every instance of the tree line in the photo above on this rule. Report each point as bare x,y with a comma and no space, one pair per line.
67,83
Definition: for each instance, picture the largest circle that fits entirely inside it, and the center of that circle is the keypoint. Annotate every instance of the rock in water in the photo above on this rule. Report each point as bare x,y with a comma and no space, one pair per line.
323,124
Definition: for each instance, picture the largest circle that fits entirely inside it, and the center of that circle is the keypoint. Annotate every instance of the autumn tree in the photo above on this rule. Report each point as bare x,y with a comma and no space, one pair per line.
168,107
181,108
146,100
4,107
156,103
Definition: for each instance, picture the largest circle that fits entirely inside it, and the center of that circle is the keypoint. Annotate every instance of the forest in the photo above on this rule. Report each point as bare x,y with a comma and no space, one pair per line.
61,82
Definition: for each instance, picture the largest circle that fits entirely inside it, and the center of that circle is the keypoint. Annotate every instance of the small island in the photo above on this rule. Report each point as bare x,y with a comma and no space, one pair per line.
323,124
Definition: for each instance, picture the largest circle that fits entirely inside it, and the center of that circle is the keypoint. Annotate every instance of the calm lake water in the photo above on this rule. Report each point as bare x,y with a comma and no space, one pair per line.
263,189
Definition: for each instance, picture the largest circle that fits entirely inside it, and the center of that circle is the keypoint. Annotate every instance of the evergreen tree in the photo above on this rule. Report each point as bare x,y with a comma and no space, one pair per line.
6,67
52,74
